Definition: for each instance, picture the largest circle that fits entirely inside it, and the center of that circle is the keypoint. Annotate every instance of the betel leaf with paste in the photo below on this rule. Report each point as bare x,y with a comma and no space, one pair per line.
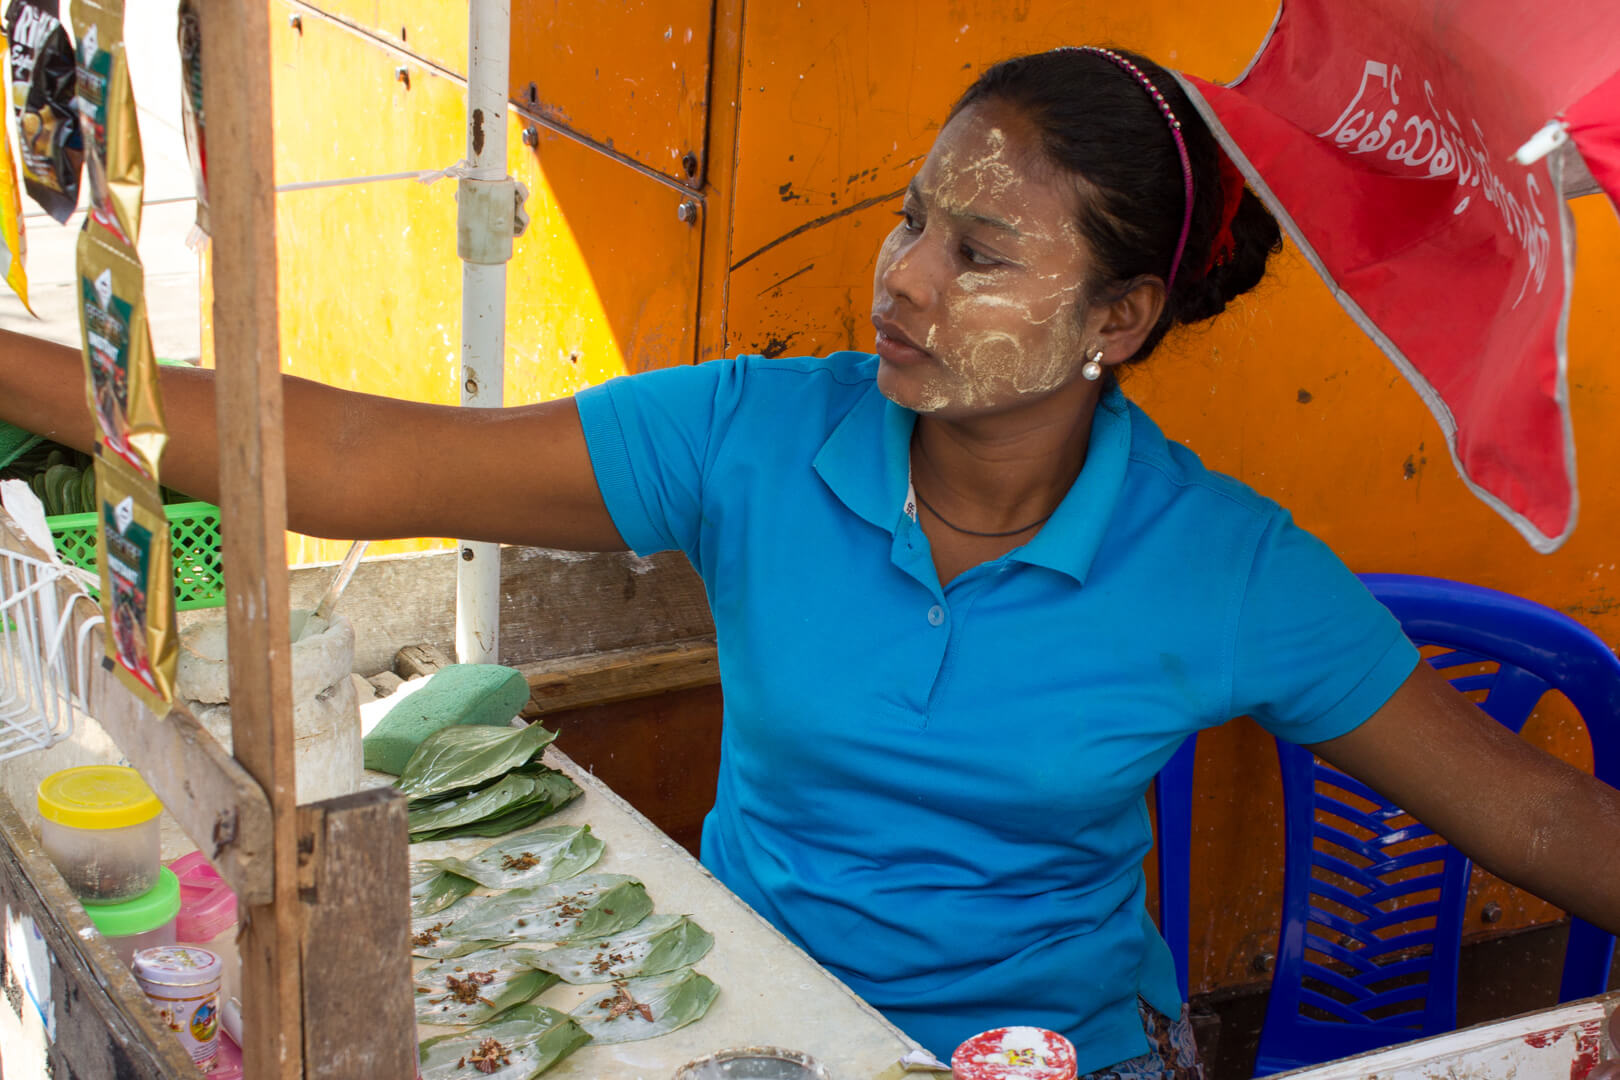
465,990
630,1010
590,906
536,857
659,943
467,756
521,1043
428,938
434,889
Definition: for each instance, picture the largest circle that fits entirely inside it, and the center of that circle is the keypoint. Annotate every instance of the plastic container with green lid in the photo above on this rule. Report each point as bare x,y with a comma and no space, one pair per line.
99,825
145,922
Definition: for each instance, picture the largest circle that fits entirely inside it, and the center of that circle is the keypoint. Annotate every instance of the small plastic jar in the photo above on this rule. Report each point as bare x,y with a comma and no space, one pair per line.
182,983
208,917
99,825
207,904
145,922
1014,1053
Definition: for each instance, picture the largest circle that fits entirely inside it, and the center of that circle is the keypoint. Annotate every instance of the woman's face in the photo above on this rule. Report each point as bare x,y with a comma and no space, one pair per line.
978,296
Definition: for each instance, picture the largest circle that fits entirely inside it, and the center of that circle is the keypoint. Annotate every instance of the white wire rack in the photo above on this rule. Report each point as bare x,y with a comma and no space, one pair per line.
36,667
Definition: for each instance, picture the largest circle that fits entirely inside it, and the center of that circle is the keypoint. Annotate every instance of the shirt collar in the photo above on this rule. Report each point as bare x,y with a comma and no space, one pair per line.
867,459
866,463
1072,536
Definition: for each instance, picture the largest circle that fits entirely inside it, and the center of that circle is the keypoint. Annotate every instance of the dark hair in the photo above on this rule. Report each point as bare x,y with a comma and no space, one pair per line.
1096,120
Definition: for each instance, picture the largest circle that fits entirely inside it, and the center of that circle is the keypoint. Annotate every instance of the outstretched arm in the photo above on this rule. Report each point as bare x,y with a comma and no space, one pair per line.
358,466
1520,813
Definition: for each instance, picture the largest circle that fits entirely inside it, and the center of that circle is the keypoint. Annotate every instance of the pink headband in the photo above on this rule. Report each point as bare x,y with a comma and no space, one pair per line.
1175,133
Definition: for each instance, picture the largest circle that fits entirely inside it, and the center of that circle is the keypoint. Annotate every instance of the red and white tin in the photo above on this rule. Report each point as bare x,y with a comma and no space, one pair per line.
1014,1053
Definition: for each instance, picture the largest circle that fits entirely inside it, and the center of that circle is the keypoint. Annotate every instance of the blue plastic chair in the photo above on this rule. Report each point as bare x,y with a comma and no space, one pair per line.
1354,971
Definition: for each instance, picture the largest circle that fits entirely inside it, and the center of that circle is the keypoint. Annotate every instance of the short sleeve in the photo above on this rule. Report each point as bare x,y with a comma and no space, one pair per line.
1316,653
651,438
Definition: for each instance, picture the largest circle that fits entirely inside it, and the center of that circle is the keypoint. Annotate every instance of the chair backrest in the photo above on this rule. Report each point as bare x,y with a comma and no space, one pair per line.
1373,902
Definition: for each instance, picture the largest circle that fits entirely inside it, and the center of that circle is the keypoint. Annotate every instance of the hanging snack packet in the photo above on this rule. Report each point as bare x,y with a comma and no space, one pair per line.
42,93
137,584
121,375
106,104
191,107
13,245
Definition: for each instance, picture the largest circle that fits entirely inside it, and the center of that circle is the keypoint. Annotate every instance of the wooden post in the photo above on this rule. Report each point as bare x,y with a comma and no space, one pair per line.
354,876
241,189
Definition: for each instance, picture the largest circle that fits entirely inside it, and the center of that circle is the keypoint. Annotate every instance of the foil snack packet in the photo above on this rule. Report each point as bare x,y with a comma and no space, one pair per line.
137,583
121,374
113,164
13,242
191,107
48,137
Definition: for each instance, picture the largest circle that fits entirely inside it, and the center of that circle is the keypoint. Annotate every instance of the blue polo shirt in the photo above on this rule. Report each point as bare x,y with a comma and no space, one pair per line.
938,791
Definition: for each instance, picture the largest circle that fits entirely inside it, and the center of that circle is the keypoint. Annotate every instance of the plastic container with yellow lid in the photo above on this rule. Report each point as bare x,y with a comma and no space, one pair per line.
99,825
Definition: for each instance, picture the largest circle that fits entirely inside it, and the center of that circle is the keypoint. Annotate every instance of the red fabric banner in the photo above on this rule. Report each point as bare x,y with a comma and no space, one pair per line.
1382,133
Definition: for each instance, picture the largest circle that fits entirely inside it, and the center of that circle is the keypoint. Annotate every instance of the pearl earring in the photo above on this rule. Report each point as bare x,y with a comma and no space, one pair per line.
1092,369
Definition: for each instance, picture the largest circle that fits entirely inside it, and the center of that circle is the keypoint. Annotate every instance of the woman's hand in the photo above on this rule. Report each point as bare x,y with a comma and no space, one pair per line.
358,466
1520,813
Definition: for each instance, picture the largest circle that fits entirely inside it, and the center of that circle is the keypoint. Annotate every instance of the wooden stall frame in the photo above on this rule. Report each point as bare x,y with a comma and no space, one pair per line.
313,882
317,881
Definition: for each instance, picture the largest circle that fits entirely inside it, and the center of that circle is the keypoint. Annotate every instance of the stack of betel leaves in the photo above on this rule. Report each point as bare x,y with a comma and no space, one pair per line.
522,915
481,781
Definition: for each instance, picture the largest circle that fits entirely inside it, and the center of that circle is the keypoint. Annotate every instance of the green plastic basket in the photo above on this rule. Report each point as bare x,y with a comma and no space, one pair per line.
199,581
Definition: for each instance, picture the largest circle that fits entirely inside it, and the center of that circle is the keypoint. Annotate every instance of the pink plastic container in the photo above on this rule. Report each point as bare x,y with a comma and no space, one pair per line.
207,904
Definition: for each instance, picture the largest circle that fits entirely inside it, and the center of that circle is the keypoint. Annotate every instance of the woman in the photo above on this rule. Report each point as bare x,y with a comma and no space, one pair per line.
968,598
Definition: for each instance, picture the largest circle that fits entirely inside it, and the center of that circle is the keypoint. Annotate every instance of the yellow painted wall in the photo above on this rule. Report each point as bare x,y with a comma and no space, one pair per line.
369,278
805,121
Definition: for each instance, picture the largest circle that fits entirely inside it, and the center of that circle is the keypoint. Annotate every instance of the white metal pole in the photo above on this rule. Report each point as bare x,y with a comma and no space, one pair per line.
484,241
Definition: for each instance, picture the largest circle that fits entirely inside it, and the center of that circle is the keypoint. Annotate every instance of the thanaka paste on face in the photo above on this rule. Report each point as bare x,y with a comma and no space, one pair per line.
990,365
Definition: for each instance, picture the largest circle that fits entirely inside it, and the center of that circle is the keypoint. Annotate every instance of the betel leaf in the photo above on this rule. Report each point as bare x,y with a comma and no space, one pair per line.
528,1040
595,905
445,949
470,989
636,1009
428,938
462,807
433,889
536,857
468,755
525,797
658,944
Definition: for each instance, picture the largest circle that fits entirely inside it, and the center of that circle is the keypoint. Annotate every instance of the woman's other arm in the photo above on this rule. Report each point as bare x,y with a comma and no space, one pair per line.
358,466
1520,813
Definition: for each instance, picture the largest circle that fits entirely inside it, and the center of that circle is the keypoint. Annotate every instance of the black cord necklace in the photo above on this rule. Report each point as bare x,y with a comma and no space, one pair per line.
974,532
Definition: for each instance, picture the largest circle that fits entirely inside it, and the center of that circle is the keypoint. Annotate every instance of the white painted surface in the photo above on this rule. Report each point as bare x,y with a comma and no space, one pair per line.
1561,1043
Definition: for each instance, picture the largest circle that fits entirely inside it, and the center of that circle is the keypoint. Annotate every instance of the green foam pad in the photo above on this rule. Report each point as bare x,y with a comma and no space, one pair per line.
459,694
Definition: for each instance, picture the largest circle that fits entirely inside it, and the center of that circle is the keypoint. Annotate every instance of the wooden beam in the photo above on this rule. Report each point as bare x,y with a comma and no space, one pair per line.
237,93
208,793
599,678
354,871
218,804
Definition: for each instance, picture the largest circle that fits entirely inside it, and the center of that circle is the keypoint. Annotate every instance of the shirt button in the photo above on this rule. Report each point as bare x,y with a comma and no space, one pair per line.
936,615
